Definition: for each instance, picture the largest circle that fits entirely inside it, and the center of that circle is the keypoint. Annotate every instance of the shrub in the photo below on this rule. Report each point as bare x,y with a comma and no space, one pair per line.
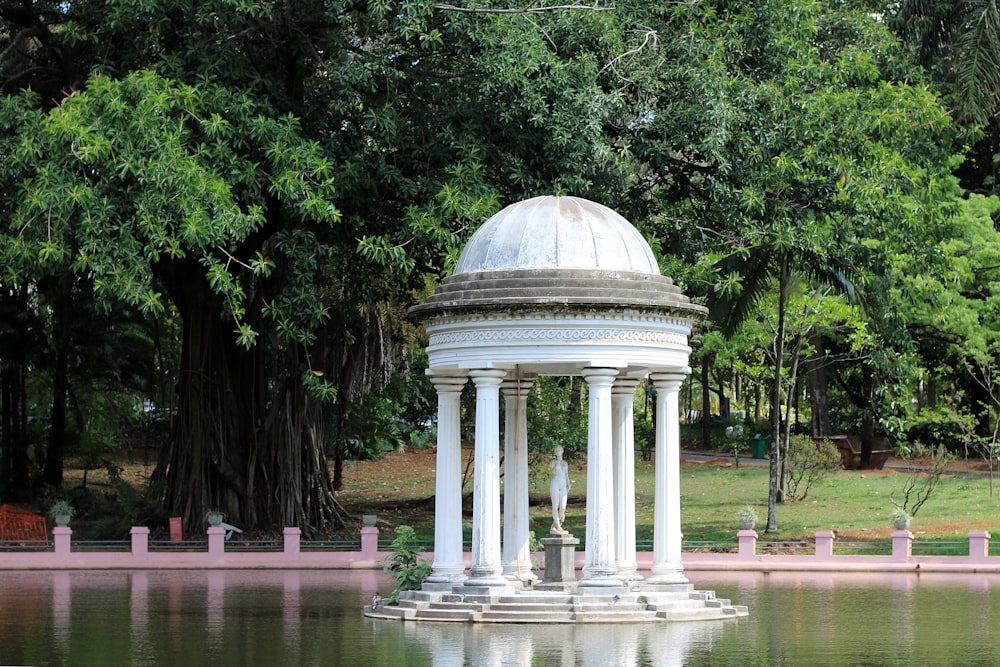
405,564
940,430
808,463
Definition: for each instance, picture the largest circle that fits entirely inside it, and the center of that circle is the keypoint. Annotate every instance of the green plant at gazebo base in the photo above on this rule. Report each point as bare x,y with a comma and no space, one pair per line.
747,518
405,564
61,512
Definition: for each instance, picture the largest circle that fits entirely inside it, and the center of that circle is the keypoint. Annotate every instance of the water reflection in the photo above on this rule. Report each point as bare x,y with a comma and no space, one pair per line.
227,618
596,645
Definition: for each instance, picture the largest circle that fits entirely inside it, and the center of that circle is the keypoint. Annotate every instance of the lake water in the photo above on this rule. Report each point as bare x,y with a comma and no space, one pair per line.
223,618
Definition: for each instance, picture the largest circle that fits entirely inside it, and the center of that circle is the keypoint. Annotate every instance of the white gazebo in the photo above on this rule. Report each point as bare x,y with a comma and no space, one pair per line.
556,286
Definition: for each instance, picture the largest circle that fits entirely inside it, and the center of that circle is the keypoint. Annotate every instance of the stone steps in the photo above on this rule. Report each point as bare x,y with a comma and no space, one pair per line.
541,607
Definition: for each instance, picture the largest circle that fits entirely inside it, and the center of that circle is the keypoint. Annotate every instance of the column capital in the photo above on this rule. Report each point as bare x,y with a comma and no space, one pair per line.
489,377
625,385
446,383
517,386
600,376
666,378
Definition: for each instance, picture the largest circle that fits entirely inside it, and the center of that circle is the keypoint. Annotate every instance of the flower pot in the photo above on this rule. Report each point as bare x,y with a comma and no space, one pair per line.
901,523
61,519
369,520
214,518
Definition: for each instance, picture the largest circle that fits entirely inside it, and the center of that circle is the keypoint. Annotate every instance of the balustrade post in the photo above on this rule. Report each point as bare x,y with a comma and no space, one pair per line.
902,544
369,543
293,540
824,544
748,543
61,538
979,544
140,540
216,541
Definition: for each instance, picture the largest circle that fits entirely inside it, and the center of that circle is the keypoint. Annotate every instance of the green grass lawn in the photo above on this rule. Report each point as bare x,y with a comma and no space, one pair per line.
854,504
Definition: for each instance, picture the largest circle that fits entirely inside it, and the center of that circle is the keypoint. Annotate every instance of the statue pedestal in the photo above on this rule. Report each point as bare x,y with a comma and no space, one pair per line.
560,560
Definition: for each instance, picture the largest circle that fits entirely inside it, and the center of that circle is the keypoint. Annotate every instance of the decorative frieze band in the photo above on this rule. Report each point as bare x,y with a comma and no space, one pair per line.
557,335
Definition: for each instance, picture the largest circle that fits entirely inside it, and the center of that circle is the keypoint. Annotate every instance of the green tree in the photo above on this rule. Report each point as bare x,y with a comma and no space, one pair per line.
283,176
817,151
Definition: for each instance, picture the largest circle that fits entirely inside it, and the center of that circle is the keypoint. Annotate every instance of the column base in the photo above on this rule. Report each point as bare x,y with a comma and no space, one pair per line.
666,578
443,581
629,573
503,588
602,581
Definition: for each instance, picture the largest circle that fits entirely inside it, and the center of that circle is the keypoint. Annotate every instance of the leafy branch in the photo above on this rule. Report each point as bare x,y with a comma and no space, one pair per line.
518,10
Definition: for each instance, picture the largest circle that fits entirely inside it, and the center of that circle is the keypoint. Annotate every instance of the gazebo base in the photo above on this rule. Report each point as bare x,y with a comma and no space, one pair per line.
566,606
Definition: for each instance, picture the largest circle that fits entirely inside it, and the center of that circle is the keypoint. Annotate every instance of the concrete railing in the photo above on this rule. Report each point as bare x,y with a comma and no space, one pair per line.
823,557
292,556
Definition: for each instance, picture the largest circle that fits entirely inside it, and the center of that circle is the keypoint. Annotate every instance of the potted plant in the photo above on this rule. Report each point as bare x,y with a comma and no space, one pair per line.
61,512
901,518
747,517
214,517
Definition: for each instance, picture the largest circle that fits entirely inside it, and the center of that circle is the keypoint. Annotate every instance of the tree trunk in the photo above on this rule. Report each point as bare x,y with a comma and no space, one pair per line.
868,418
15,476
775,402
706,401
56,450
819,393
247,439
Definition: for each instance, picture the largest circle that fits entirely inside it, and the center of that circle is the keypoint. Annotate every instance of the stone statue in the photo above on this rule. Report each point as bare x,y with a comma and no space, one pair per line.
559,488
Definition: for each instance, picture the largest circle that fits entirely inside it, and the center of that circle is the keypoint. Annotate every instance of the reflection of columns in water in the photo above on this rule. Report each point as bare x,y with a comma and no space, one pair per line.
561,645
486,567
600,568
488,645
449,565
600,648
623,442
516,540
670,644
444,642
667,567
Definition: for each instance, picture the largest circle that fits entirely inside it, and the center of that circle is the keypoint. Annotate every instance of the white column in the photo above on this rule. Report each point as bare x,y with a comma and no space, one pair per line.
487,566
599,567
623,440
516,518
449,565
667,567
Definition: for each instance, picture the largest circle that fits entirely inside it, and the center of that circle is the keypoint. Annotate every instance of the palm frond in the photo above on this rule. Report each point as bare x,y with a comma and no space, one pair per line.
976,60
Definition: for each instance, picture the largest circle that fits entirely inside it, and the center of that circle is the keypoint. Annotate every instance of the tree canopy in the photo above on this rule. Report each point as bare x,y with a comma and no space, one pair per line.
282,179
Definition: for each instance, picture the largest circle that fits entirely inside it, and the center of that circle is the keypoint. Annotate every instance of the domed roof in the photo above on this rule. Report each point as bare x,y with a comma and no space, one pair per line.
557,232
557,251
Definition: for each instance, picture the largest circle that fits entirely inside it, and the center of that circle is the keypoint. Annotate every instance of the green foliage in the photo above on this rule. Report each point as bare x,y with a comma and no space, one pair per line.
808,463
61,508
939,429
115,513
747,517
557,416
371,429
405,564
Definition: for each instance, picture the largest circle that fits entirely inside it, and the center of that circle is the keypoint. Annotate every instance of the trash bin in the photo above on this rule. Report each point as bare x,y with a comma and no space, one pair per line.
758,444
